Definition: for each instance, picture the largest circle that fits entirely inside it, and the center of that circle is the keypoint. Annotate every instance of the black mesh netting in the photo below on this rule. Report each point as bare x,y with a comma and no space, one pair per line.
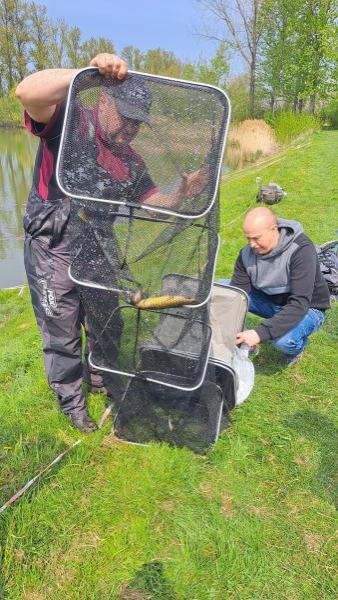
169,346
137,252
182,129
140,160
158,413
146,412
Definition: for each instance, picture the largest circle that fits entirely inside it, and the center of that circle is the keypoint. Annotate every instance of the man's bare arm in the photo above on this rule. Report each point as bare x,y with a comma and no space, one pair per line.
40,92
190,186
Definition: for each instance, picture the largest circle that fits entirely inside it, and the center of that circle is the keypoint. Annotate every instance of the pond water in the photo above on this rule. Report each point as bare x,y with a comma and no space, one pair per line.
17,153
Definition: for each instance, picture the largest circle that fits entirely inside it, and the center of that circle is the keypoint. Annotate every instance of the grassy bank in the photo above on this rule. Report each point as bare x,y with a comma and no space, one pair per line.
256,139
253,520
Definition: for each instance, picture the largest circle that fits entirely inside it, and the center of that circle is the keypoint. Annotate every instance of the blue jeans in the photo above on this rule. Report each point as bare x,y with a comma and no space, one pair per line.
294,341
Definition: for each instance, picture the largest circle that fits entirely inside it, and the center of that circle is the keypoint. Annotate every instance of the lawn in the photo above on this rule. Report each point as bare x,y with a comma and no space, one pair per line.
254,519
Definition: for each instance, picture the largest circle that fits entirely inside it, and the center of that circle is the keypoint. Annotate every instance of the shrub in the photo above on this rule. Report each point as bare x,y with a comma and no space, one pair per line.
289,125
329,113
249,141
10,111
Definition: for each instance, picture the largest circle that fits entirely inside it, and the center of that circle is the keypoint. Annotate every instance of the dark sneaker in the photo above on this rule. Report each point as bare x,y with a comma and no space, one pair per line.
289,360
84,423
95,389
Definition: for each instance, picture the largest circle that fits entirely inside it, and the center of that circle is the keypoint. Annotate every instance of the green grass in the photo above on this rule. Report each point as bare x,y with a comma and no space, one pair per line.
253,520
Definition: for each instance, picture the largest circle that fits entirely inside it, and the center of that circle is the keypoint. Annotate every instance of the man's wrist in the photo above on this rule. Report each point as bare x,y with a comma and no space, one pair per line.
263,333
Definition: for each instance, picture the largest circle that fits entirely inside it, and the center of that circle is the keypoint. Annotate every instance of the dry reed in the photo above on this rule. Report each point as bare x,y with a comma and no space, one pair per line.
248,142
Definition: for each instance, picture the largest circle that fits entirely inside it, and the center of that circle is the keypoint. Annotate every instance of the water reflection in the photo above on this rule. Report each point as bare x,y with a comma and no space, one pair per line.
17,153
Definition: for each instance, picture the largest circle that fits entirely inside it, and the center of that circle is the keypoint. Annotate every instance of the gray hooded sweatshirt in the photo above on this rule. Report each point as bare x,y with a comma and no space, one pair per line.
289,275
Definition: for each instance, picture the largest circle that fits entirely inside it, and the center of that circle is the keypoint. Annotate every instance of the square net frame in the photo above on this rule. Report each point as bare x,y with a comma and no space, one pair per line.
136,252
167,346
154,413
186,131
150,412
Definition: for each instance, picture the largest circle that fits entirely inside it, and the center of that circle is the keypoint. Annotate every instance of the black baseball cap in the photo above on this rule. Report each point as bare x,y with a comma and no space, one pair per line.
133,99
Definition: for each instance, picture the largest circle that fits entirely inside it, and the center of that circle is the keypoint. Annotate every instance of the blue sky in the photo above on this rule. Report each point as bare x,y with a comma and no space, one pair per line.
145,24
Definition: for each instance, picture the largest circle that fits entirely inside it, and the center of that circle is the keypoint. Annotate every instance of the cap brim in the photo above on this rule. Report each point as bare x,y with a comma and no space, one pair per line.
131,111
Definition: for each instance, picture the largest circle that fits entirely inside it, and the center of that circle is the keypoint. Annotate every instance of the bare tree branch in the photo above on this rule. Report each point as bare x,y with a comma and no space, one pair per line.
244,23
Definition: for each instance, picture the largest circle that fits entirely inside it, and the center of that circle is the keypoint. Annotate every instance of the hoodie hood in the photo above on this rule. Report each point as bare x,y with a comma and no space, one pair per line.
288,232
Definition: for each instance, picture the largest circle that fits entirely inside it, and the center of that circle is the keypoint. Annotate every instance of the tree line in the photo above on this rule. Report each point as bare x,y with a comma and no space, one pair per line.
30,41
288,46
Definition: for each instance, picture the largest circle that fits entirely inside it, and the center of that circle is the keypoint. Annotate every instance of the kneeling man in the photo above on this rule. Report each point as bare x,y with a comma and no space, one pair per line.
279,269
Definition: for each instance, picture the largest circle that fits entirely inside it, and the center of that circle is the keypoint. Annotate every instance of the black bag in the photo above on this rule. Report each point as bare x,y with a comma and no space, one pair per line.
270,194
328,260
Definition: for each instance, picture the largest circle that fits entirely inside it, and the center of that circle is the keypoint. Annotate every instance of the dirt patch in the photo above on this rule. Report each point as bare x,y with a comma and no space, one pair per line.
313,542
133,595
24,326
226,506
260,511
168,505
207,489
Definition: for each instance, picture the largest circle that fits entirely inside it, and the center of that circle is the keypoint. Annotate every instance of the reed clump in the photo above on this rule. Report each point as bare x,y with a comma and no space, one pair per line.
249,141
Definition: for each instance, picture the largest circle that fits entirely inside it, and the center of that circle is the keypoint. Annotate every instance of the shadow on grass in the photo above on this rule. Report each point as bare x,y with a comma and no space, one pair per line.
322,431
149,583
268,361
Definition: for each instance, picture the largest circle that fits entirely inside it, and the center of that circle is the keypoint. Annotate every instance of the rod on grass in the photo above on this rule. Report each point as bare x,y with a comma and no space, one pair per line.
32,481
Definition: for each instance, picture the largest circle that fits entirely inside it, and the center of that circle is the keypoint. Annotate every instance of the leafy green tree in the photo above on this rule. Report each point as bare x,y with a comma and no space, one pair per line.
13,43
162,62
93,46
237,89
214,72
134,58
21,39
298,55
7,8
156,61
277,51
316,38
40,35
59,34
73,47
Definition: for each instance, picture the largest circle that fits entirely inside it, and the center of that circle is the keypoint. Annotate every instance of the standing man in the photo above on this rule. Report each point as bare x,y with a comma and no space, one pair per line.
56,301
279,269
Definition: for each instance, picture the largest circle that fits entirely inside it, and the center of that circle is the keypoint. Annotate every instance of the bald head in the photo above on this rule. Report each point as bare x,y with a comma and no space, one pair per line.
260,216
261,230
